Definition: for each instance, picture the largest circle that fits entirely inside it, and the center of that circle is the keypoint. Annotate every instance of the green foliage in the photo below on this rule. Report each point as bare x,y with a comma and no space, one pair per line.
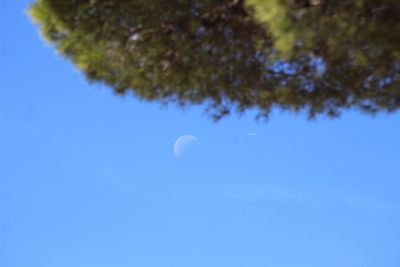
273,14
314,55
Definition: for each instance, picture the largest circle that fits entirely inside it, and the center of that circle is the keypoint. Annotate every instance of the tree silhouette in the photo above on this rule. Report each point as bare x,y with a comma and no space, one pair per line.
321,56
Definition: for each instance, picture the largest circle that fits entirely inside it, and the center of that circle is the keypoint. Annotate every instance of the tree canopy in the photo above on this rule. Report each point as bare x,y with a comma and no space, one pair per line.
318,56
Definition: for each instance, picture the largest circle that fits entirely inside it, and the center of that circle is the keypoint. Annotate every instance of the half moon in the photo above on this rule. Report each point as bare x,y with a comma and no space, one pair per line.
182,143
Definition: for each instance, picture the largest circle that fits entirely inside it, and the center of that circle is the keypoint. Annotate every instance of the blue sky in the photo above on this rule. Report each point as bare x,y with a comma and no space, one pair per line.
90,179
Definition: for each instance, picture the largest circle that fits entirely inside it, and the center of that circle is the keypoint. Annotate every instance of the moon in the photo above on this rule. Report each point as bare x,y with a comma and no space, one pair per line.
182,143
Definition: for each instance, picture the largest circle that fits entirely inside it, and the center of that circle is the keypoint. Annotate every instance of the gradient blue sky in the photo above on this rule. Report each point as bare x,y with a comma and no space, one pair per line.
90,179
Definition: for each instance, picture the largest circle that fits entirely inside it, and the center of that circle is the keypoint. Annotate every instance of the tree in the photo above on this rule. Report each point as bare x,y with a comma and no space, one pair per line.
321,56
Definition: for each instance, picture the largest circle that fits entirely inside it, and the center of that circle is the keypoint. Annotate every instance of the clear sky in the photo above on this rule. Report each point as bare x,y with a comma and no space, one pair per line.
89,179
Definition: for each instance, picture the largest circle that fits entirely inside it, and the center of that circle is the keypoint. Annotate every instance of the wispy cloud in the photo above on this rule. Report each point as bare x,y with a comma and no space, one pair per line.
369,204
258,192
318,198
